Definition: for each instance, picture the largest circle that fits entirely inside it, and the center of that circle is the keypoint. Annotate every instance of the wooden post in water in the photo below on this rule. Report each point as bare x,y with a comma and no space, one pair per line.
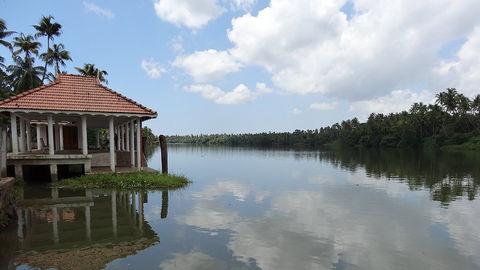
164,210
164,153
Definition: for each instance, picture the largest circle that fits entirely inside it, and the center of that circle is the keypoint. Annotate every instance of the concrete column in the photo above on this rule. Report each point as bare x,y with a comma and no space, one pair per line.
118,139
88,223
51,144
18,172
139,144
20,224
88,166
13,127
111,134
29,136
132,143
22,135
127,134
39,142
140,211
84,135
134,207
53,172
60,136
56,237
56,138
114,212
54,193
97,138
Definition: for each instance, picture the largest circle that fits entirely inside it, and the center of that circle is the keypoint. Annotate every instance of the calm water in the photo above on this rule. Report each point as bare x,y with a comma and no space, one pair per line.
263,209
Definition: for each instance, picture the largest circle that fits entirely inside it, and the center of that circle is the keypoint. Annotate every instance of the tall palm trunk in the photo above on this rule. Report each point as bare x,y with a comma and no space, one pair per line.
45,70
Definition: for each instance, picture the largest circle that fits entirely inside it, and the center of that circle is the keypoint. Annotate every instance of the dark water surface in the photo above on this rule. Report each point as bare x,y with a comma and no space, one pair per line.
263,209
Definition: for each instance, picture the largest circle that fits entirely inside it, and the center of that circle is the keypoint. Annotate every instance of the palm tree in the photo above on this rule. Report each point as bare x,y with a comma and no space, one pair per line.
475,106
56,56
3,34
91,70
448,100
49,29
25,44
24,75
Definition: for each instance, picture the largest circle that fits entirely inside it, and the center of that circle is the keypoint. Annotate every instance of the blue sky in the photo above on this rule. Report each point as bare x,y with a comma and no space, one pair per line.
247,66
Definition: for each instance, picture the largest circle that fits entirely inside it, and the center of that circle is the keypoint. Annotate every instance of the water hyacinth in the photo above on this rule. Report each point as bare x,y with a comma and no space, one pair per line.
132,180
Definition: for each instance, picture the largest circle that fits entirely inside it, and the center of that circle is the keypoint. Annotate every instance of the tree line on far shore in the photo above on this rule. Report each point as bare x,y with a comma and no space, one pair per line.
33,63
453,120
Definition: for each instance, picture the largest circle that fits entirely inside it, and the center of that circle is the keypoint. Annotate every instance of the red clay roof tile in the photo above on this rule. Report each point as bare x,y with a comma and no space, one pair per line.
75,93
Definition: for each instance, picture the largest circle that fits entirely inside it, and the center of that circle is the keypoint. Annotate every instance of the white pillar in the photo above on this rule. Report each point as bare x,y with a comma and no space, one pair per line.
84,135
22,135
13,128
122,132
60,136
139,144
111,134
114,212
118,139
51,145
29,136
97,138
127,134
56,137
56,237
132,143
39,142
88,223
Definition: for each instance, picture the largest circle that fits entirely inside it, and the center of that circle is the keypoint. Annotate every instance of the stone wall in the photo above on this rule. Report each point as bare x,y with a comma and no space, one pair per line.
7,202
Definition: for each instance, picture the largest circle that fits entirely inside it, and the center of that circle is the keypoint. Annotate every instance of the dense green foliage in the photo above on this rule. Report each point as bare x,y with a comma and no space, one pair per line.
454,119
148,136
133,180
23,73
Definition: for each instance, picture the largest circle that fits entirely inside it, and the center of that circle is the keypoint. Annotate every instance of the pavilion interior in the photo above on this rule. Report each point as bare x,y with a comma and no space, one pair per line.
68,141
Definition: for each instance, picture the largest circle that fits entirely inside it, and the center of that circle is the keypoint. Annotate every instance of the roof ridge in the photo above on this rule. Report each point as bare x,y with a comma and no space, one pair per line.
127,98
28,92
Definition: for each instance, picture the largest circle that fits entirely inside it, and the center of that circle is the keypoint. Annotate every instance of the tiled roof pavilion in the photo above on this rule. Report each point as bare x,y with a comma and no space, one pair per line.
61,112
75,93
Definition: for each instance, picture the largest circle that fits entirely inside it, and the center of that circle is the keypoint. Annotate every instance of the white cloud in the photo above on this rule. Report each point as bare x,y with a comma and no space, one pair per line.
323,106
295,233
396,101
464,73
91,7
192,260
193,14
238,95
176,44
245,5
210,65
309,46
152,68
297,111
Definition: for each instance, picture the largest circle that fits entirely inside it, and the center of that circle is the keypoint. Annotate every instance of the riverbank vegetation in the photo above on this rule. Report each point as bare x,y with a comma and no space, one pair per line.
451,123
132,180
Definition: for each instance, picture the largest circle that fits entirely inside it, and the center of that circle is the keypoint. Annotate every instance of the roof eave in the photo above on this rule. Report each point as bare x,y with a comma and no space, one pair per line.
93,113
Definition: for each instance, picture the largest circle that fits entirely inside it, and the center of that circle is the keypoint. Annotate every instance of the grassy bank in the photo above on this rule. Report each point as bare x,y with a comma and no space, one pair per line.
133,180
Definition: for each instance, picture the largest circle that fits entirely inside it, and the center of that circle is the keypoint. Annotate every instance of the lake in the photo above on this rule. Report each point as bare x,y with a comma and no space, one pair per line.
263,209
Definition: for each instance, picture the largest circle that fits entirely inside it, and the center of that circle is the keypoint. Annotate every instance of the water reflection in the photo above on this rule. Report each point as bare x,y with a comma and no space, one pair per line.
447,176
99,225
264,209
